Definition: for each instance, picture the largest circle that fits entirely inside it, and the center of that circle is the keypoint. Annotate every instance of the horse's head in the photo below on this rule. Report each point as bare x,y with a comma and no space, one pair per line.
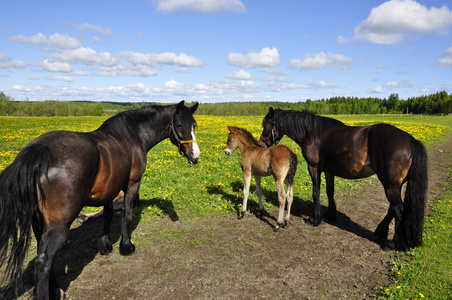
182,132
269,134
232,143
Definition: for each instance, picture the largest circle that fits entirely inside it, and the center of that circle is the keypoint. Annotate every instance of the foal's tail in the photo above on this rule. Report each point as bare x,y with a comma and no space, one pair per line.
19,184
414,204
293,159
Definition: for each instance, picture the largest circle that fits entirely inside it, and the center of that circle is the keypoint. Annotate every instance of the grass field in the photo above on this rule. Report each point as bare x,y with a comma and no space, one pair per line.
172,188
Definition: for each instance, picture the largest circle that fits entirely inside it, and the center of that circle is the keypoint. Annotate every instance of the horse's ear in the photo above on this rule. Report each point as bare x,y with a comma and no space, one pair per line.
271,112
194,108
180,106
230,128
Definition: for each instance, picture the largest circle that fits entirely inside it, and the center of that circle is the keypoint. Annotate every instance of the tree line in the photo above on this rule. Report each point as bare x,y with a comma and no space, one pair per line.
438,103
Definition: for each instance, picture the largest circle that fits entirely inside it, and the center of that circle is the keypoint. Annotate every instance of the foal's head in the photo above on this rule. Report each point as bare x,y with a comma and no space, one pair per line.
238,137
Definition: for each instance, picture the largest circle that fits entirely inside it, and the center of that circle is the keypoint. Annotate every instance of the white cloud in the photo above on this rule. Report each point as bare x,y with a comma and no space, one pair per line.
377,90
37,39
90,27
166,58
321,61
86,56
240,75
6,62
64,41
397,84
63,78
201,6
322,85
446,59
341,40
394,20
55,66
268,57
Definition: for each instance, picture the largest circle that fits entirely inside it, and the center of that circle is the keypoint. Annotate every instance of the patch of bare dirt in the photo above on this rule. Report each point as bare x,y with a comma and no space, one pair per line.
226,258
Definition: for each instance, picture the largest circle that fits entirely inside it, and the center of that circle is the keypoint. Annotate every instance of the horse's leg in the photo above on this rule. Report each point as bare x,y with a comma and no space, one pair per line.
259,195
315,177
282,202
396,207
126,247
246,191
104,243
331,213
381,233
289,196
50,242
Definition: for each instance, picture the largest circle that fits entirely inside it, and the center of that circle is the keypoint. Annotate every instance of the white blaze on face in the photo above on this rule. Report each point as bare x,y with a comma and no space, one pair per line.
195,147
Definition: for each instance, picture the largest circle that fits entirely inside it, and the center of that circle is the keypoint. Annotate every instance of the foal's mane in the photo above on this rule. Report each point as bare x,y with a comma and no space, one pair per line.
249,135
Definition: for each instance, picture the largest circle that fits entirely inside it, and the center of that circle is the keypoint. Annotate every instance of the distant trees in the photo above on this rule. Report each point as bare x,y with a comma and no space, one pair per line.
438,103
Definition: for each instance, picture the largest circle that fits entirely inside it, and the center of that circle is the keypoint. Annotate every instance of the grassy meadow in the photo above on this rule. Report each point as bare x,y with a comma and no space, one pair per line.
172,188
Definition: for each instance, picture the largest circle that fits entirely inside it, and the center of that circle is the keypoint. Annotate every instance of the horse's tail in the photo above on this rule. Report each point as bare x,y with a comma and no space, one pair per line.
19,184
293,163
415,195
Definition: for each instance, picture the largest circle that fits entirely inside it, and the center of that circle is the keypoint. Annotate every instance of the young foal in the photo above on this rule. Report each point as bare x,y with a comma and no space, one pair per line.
279,161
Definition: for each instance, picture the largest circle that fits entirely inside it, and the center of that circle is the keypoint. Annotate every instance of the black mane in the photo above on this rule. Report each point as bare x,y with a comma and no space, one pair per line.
302,124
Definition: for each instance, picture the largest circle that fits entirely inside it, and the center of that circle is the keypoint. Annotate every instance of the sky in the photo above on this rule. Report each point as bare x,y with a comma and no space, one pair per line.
224,50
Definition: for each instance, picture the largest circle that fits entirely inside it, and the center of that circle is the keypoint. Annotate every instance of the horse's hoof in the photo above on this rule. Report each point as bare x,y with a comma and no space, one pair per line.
312,221
240,216
276,228
126,249
261,213
388,246
105,246
284,225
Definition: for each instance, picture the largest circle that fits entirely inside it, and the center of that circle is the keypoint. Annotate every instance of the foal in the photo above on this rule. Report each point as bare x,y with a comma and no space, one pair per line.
279,161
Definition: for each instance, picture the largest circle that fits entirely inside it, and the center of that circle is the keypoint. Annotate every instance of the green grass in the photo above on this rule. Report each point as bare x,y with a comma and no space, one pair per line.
426,272
172,188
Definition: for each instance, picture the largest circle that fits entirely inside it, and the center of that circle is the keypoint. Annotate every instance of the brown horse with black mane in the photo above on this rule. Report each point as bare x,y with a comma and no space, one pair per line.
351,152
258,161
58,173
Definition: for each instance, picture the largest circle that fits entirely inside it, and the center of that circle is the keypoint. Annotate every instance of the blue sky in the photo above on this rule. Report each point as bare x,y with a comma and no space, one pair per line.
224,50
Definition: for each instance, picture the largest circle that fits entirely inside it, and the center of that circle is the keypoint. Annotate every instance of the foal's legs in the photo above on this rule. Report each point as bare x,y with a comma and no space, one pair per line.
331,213
289,196
282,202
246,191
259,194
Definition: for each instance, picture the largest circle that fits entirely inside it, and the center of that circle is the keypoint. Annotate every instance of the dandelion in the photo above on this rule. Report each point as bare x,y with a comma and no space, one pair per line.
398,287
421,295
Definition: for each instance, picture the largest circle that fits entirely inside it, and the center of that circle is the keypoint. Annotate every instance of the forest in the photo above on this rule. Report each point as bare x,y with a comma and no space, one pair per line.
438,103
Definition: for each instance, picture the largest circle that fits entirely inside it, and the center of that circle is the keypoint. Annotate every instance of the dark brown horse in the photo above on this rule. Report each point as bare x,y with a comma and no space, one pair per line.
351,152
60,172
258,161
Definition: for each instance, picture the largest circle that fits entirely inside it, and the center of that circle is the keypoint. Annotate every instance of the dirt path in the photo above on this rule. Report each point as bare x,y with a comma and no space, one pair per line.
226,258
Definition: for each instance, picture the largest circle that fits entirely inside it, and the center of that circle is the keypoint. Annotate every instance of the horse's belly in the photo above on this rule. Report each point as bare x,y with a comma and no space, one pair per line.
366,171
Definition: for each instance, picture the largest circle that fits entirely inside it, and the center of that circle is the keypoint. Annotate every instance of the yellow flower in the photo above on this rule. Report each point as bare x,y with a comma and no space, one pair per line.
421,295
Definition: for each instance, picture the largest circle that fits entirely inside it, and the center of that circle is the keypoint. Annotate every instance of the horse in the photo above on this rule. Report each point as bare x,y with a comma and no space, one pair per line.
353,152
57,174
279,161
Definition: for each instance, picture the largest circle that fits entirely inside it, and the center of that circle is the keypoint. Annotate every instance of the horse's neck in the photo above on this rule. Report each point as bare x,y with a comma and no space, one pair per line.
246,144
